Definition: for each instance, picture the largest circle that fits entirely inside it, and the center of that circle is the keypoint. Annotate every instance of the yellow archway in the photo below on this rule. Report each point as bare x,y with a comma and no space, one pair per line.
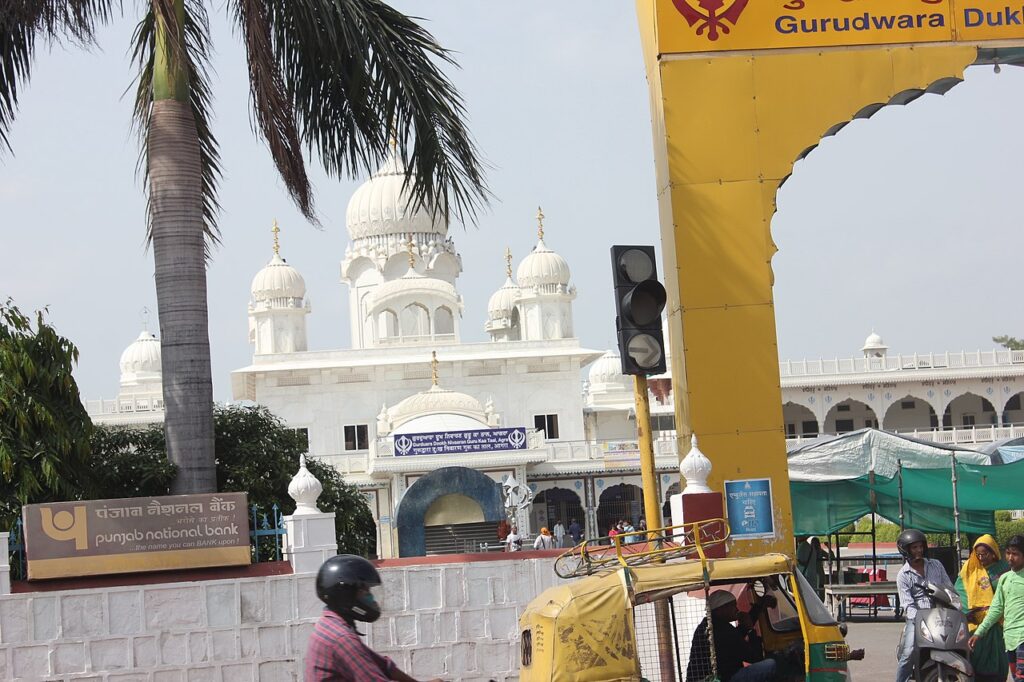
740,90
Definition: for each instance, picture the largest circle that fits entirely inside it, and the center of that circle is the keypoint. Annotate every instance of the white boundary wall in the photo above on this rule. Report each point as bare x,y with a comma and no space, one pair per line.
457,621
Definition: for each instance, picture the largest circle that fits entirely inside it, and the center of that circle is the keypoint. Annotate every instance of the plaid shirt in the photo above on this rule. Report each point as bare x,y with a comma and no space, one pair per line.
337,654
912,586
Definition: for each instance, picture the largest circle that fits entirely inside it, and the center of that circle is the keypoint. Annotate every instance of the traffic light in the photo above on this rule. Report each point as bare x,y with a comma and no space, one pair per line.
639,300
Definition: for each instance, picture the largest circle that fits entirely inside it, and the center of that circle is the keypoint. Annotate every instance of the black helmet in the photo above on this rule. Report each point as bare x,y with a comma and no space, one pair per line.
338,583
907,538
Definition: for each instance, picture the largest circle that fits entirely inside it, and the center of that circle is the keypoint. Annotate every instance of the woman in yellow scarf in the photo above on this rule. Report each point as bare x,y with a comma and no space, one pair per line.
977,585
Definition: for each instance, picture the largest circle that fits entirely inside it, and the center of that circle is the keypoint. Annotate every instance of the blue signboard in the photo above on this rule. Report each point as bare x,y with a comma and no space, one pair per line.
455,442
749,507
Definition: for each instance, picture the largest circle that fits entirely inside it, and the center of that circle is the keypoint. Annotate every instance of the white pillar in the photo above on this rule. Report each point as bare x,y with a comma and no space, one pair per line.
5,563
309,532
695,469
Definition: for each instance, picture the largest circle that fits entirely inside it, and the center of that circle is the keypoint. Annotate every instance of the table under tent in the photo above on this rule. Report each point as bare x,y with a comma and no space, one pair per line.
837,480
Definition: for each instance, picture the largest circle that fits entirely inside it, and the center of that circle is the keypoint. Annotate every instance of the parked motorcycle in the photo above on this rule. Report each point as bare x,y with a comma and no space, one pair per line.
941,653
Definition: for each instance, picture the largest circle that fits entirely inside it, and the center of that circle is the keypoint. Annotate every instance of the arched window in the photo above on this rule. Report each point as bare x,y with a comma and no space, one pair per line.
515,332
415,321
387,324
444,321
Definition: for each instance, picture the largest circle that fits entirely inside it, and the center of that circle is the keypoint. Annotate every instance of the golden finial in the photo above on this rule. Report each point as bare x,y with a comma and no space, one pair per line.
508,262
540,223
409,245
277,245
433,367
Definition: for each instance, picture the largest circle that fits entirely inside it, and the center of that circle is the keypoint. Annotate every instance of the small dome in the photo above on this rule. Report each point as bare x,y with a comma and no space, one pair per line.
381,206
141,360
414,284
607,370
874,342
503,301
277,280
542,267
437,400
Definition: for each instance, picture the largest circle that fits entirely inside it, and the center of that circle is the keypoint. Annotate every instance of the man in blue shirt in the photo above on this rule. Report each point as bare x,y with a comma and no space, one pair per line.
912,583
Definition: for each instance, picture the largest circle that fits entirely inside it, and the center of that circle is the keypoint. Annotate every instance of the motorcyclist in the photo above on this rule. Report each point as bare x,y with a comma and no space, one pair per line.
912,585
335,652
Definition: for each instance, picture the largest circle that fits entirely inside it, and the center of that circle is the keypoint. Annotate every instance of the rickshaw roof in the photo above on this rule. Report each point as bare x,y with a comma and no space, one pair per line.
657,577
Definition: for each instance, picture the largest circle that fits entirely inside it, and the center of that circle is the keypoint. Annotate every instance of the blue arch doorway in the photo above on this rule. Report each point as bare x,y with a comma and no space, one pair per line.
413,507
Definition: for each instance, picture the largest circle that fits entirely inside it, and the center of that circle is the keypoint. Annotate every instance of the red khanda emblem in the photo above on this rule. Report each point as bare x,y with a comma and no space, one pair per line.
713,16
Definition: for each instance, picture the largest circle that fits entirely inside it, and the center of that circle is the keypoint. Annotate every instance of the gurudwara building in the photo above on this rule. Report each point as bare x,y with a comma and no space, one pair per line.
428,426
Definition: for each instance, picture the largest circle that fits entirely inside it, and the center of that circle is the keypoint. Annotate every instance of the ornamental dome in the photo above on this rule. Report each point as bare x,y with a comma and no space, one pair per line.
543,267
874,342
437,400
503,301
415,285
277,280
607,370
140,362
382,206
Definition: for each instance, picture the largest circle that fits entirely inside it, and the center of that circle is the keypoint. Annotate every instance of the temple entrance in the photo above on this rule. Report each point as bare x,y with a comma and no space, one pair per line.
619,502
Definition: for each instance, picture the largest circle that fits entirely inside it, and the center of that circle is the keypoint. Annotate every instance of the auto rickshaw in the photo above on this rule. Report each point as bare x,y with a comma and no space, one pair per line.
634,616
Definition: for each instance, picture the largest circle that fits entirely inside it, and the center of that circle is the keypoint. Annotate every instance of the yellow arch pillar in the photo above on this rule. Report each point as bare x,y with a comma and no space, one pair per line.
728,125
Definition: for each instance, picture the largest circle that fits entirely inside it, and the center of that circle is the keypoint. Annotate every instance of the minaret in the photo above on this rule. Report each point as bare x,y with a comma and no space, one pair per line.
278,307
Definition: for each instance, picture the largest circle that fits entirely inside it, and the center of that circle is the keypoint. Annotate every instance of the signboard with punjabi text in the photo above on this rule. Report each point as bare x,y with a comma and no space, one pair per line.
457,442
136,534
715,26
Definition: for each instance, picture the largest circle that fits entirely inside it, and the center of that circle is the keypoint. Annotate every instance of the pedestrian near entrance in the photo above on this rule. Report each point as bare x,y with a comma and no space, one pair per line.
544,540
1008,605
977,584
513,541
559,533
912,585
335,652
575,531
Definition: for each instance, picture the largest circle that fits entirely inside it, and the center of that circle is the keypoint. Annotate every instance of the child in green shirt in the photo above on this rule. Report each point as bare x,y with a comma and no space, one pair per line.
1008,605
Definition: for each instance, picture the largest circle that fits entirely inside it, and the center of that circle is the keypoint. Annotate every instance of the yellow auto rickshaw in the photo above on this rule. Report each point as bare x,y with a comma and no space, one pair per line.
636,615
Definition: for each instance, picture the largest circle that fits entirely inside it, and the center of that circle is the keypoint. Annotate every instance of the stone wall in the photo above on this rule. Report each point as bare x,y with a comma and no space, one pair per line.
450,620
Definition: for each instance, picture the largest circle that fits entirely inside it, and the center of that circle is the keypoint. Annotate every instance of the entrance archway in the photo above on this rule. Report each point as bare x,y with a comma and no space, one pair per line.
618,502
666,508
799,420
909,414
447,482
969,410
556,504
850,415
1012,413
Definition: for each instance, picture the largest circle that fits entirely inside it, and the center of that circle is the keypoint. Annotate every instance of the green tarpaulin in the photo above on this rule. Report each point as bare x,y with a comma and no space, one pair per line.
820,508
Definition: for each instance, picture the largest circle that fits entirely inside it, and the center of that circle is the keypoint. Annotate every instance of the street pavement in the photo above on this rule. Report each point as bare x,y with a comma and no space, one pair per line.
879,640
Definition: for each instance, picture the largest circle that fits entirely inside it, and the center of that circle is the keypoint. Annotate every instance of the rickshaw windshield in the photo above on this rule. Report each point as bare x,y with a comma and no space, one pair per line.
783,617
816,611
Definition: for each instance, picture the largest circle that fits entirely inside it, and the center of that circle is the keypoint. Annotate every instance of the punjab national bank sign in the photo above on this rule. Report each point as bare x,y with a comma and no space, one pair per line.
718,25
96,537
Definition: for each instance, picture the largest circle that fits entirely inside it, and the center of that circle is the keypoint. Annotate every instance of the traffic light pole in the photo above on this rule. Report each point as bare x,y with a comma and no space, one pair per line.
652,512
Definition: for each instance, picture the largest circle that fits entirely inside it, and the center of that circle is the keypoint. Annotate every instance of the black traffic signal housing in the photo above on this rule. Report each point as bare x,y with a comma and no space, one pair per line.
639,301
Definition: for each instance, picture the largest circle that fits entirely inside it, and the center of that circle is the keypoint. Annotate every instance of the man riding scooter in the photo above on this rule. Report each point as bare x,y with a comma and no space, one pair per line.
935,634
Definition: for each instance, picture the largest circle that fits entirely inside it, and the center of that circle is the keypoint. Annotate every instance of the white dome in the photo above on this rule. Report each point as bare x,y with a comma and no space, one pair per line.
277,280
382,207
503,301
437,400
874,342
542,267
607,369
415,285
141,360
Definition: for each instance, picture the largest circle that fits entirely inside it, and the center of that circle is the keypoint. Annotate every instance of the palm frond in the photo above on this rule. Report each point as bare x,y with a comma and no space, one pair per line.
196,58
22,23
273,113
357,70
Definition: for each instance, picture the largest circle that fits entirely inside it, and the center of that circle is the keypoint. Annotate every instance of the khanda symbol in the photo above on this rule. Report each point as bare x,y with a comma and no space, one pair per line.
708,16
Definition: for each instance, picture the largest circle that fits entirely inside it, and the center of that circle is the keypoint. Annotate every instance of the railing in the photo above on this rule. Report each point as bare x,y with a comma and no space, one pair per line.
16,549
566,450
949,436
819,367
266,534
124,406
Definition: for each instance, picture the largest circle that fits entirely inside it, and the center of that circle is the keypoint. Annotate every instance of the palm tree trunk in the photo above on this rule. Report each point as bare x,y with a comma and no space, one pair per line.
176,219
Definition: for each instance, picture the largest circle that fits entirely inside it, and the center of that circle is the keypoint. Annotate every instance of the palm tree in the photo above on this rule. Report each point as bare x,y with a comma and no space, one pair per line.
335,78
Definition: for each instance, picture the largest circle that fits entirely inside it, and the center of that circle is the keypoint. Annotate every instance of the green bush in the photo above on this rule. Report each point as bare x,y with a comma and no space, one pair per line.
1006,529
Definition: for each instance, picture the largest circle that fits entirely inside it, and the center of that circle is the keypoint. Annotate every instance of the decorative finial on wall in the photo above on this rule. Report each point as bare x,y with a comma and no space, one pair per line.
277,244
508,262
433,367
409,245
540,223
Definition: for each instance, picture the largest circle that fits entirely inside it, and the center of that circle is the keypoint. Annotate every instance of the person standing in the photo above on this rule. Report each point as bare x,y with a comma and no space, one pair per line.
912,584
513,541
575,531
544,540
335,652
1008,606
559,532
977,586
810,558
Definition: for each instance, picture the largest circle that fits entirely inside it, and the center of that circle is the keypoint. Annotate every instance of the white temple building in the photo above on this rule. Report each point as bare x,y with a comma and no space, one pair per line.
429,426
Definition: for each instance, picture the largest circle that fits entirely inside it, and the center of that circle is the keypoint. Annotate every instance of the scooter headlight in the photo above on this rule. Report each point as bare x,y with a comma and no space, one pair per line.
924,632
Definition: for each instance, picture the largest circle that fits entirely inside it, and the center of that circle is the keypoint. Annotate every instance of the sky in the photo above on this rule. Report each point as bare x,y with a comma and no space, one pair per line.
907,223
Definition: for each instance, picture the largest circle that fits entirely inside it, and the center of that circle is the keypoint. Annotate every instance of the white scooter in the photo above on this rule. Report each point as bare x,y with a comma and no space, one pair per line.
941,653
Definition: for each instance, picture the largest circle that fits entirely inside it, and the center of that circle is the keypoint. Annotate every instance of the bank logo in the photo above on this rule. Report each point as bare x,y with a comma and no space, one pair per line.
66,525
712,17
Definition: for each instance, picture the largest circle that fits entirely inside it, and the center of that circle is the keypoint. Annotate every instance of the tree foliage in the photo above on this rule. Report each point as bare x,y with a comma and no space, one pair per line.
44,429
1009,342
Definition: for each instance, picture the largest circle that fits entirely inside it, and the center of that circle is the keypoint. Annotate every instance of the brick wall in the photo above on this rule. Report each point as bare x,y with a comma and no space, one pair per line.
451,620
